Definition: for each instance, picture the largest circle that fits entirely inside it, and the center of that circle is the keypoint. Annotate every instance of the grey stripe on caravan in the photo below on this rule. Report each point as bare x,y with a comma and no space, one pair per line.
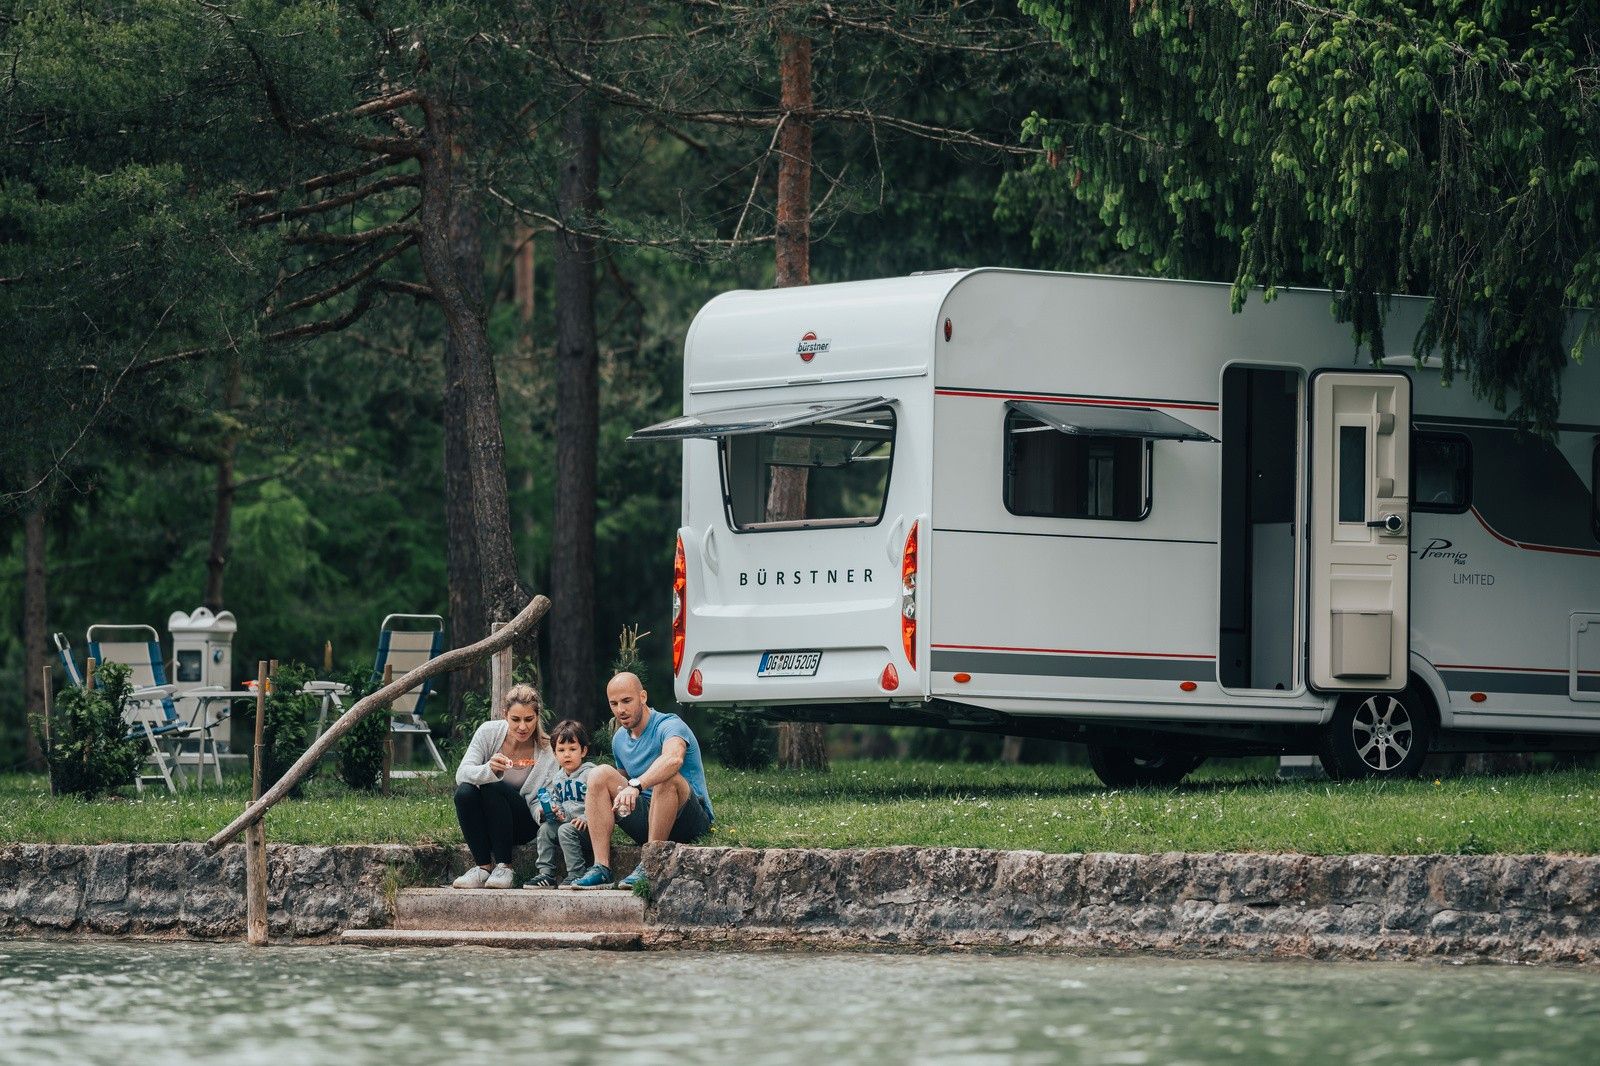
1504,681
989,662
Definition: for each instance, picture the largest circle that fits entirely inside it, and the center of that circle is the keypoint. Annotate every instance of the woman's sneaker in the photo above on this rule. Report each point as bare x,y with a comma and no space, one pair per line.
542,881
502,876
473,878
596,876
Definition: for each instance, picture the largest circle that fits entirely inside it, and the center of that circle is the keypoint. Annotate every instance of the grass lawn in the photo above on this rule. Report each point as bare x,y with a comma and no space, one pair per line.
1227,806
1224,807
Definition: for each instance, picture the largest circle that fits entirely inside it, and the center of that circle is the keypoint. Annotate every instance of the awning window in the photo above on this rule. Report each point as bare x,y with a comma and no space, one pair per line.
766,418
1098,420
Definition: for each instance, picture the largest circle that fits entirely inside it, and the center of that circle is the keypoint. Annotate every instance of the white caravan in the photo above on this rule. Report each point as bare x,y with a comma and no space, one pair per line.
1110,510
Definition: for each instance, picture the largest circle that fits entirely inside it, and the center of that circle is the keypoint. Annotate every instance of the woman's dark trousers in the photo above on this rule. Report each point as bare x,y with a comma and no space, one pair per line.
494,818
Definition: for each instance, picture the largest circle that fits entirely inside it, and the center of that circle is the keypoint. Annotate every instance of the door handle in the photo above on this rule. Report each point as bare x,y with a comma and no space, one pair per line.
1391,524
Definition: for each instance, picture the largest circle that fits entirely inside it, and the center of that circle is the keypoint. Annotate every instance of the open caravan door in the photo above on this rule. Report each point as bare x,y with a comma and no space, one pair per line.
1359,585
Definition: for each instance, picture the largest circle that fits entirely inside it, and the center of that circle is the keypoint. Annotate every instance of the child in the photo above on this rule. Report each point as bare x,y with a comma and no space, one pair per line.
566,825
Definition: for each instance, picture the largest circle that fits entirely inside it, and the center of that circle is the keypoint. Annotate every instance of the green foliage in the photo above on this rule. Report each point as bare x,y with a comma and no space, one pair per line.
361,750
90,750
291,716
741,741
1367,146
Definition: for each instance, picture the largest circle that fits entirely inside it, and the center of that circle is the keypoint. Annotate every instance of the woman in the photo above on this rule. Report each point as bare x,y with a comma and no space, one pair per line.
506,764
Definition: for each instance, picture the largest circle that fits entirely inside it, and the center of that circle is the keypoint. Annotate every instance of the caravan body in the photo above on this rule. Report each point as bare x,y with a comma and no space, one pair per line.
1110,509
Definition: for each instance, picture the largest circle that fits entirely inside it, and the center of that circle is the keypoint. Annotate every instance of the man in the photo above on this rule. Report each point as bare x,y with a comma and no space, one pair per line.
657,790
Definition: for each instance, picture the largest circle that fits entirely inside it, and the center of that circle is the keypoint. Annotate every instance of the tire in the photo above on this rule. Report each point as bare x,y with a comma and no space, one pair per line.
1141,767
1380,735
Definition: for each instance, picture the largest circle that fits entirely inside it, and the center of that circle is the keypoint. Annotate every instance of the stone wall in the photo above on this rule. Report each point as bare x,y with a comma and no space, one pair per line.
1506,908
179,891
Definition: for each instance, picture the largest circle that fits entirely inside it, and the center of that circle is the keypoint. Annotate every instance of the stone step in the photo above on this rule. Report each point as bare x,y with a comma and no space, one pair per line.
524,940
518,910
624,857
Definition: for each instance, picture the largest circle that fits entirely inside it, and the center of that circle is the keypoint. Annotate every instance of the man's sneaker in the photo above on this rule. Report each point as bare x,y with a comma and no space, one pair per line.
633,878
542,881
473,878
502,876
596,876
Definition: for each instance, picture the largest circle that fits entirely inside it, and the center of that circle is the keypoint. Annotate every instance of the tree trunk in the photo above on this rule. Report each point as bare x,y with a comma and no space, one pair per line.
35,625
573,682
453,285
794,163
801,745
222,507
464,589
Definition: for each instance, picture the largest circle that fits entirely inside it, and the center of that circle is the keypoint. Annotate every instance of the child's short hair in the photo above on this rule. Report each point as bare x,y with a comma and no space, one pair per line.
568,730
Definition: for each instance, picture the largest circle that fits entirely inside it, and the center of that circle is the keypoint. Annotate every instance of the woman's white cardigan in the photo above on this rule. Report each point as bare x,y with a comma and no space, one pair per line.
474,768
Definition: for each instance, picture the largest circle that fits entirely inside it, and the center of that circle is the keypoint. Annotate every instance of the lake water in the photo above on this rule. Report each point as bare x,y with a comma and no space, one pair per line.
128,1004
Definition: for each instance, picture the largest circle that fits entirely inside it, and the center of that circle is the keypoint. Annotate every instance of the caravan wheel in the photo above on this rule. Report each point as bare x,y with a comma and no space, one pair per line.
1140,767
1384,735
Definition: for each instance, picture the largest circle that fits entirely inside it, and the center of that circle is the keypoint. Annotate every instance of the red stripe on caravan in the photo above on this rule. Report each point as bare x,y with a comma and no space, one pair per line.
1078,651
1512,669
1526,546
1087,401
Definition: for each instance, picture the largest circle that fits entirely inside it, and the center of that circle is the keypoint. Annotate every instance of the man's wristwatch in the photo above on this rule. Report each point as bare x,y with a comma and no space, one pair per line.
634,782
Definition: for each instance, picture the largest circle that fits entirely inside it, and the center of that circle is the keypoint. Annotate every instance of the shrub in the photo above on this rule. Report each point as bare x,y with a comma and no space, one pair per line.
361,749
741,741
286,733
90,750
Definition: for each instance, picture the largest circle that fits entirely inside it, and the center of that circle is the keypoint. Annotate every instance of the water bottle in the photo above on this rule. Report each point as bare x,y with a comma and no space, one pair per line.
544,802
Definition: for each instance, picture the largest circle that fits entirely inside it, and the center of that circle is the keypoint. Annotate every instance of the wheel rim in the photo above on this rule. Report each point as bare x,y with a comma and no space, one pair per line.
1383,733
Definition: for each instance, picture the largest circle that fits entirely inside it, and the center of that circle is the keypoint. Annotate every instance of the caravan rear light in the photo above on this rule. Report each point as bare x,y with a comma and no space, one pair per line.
908,598
696,682
890,678
680,592
1188,686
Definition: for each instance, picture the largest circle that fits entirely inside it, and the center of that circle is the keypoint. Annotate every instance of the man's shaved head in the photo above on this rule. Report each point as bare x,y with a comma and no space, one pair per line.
627,697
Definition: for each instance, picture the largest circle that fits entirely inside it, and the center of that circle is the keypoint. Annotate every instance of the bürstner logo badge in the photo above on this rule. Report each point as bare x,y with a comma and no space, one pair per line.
810,346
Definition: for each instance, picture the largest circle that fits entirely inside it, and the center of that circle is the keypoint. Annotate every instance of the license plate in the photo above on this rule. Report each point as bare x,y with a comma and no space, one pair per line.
789,663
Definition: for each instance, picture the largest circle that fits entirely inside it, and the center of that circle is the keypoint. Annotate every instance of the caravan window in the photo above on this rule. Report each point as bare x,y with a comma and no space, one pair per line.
834,472
1051,474
1441,472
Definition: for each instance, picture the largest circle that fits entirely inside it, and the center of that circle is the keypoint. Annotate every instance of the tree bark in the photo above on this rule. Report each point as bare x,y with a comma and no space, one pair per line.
222,507
801,745
35,625
464,588
573,682
480,399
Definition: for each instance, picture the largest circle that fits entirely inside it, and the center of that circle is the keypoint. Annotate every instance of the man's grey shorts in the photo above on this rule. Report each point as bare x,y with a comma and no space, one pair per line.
692,823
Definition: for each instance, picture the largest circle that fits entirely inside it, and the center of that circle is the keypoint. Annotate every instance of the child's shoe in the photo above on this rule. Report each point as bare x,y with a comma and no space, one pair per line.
596,876
541,881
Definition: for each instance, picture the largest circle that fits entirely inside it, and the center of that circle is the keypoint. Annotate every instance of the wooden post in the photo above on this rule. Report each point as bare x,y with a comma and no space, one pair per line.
499,675
327,657
388,736
255,838
88,675
48,678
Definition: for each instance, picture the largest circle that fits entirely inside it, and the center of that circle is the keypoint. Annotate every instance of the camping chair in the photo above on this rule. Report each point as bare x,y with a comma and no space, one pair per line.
64,650
150,712
404,650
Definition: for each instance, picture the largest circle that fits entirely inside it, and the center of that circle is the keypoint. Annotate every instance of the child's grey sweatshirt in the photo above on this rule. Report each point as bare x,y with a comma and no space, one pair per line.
568,791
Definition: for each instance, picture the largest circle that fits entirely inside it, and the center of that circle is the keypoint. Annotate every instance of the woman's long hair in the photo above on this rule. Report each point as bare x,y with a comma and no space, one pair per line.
527,696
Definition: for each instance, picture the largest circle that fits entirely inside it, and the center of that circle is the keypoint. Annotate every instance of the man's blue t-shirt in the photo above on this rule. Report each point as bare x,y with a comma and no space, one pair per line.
635,756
